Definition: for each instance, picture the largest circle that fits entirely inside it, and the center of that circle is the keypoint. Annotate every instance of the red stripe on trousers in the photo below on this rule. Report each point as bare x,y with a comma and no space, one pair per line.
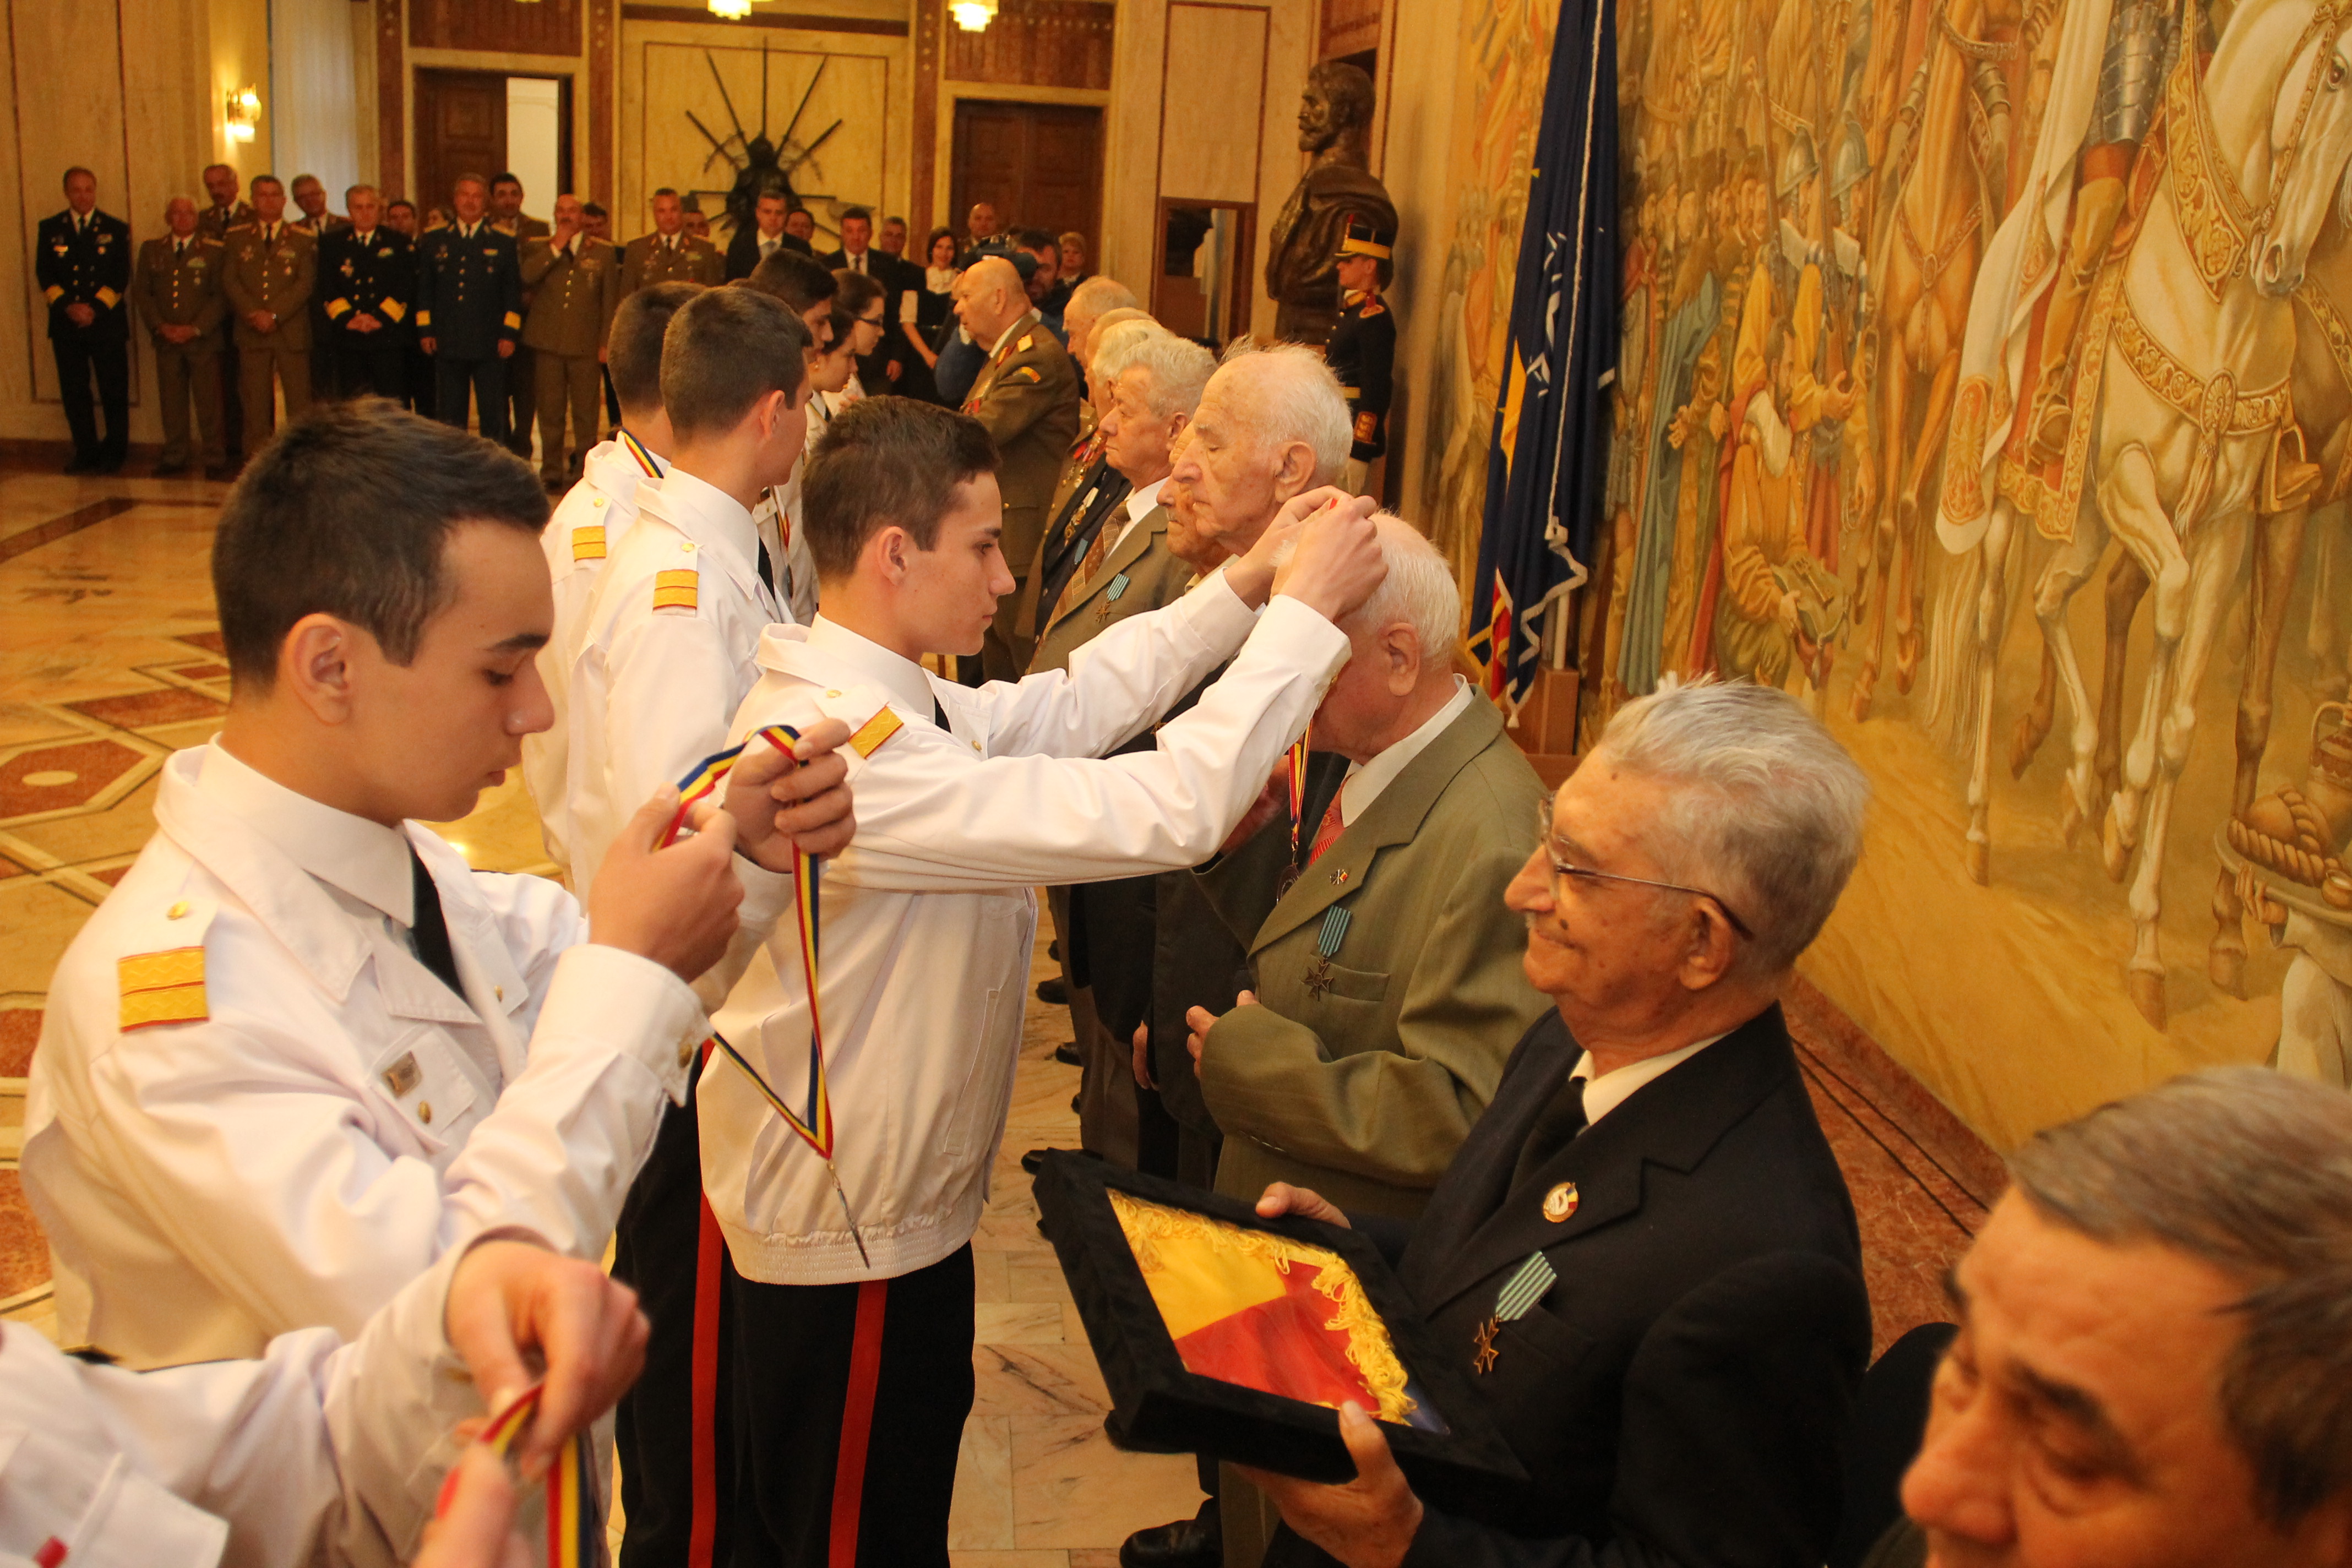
703,1539
857,1422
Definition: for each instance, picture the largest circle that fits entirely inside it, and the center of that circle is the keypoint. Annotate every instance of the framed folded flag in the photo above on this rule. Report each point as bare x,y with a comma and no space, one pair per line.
1223,1334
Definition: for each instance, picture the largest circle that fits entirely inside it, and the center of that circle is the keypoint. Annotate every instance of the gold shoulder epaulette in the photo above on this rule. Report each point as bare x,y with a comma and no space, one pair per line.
1027,372
588,544
165,987
870,735
1022,346
678,589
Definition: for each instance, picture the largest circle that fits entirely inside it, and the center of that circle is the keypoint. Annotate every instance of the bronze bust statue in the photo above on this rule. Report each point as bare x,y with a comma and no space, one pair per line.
1302,263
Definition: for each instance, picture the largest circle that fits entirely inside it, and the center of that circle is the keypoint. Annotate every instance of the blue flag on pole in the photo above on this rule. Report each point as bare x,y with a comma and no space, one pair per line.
1547,465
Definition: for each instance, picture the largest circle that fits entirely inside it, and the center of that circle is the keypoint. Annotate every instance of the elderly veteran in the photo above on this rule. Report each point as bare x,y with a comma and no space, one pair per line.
1644,1254
1089,303
2152,1368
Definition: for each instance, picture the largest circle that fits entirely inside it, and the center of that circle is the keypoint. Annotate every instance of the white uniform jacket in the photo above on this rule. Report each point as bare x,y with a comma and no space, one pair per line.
319,1452
927,916
589,524
664,657
253,1109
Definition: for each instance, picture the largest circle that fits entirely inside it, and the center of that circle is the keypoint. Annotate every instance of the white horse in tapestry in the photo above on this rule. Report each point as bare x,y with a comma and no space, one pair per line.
2192,345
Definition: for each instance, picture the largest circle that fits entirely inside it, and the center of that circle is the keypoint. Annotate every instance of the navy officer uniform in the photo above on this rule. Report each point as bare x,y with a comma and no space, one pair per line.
369,277
468,307
84,258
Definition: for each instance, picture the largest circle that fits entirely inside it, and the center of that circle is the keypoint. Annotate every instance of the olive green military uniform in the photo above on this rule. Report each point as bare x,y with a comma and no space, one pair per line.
278,274
1028,395
522,370
177,283
679,258
1135,576
574,294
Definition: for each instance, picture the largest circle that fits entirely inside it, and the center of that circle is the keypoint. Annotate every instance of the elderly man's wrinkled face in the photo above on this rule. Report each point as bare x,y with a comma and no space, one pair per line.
180,213
310,196
220,184
2076,1422
469,199
367,209
1236,484
1186,540
1135,439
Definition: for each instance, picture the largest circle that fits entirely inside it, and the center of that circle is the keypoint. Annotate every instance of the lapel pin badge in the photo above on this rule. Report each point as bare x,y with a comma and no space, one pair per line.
1559,1204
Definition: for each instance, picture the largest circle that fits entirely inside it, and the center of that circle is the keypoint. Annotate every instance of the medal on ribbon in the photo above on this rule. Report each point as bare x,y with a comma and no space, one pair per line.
1519,1294
1327,943
1297,808
813,1122
572,1525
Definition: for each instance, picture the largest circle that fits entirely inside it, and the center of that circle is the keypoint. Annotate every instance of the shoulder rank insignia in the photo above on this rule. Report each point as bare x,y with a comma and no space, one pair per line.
875,731
677,590
1027,372
1022,346
165,987
588,544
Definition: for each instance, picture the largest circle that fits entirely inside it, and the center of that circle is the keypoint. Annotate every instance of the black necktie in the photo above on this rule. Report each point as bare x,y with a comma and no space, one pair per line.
768,568
1555,1130
939,715
430,929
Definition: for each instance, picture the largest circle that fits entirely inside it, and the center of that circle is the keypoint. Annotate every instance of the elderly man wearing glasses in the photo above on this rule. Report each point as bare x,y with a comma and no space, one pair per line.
1644,1254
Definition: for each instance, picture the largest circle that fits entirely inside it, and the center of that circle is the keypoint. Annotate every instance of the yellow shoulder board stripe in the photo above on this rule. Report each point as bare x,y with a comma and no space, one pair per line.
162,987
875,731
513,321
1022,346
1027,372
588,544
678,590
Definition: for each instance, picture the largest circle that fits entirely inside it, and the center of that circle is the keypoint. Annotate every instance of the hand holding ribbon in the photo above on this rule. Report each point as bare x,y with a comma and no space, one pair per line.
797,801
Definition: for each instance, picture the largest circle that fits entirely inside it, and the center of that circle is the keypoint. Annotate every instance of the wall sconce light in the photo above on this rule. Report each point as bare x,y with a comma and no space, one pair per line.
973,15
242,113
732,10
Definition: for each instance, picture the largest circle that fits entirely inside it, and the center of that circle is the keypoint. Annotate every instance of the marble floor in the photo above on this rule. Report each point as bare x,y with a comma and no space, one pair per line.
110,660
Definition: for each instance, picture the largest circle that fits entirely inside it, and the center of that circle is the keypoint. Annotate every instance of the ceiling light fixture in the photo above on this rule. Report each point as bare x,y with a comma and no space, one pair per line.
732,10
973,15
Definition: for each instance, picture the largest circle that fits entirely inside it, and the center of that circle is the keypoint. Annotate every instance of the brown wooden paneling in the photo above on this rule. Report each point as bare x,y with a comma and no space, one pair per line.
545,28
461,129
929,19
794,21
1350,28
1035,43
603,57
1039,164
391,100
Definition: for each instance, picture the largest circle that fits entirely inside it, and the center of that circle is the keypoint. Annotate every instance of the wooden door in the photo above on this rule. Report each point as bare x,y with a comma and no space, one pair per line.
461,129
1039,164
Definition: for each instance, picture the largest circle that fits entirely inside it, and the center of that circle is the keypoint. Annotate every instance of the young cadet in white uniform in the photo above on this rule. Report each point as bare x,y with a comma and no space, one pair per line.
666,655
595,516
302,1050
853,1368
320,1451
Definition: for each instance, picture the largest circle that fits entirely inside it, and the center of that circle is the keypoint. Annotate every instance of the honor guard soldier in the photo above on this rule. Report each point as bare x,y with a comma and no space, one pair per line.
669,254
367,270
1362,347
1027,396
303,1050
178,288
470,310
522,393
81,259
574,282
272,270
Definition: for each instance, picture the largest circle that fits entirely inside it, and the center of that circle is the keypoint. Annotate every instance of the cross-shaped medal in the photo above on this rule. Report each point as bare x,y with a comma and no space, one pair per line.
1318,978
1484,1362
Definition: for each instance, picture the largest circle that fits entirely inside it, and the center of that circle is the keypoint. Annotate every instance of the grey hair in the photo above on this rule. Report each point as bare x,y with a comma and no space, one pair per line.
1113,347
2250,1171
1419,590
1291,396
1099,296
1179,369
1770,816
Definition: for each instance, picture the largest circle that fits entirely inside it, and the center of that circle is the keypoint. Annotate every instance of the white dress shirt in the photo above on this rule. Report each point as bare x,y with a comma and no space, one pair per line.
595,516
324,1118
1140,504
1606,1092
1365,781
929,914
317,1452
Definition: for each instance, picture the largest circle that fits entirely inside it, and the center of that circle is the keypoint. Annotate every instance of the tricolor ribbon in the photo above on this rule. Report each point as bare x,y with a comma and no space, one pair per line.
814,1122
573,1526
646,460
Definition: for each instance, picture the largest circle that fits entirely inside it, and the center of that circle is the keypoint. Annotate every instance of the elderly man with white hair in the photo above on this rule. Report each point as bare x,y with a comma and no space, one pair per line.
1643,1255
1089,303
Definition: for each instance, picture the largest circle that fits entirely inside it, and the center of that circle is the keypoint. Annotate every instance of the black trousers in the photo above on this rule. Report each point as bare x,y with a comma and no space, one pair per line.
453,378
362,369
421,379
656,1250
850,1403
110,364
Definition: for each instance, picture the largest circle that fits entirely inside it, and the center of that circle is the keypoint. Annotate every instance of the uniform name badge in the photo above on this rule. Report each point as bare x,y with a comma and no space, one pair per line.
1519,1294
1327,943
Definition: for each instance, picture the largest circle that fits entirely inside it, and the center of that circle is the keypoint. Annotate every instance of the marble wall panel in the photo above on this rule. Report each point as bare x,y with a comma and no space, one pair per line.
1213,98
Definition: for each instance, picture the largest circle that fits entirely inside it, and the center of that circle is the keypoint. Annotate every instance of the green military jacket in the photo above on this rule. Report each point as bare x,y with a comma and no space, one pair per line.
1027,396
1138,575
1358,1074
182,290
280,278
692,260
574,293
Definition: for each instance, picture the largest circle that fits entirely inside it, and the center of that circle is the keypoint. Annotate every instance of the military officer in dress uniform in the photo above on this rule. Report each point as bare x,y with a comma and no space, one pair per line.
272,270
1027,396
522,394
470,310
224,211
310,200
575,283
669,254
309,197
178,288
1362,347
367,270
82,263
302,1051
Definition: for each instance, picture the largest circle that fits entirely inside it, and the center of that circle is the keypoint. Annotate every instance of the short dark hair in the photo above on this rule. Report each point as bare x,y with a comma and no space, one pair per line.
506,177
346,513
258,181
848,213
593,209
886,460
838,324
665,190
1035,239
854,290
725,348
633,354
894,217
400,201
794,278
771,195
77,169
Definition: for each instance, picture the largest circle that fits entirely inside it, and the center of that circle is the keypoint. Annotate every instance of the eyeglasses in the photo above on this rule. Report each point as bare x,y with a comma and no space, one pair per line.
1562,871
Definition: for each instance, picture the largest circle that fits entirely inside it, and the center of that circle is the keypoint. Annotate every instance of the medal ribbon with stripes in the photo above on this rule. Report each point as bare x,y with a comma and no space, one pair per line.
812,1122
645,460
572,1525
1299,788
